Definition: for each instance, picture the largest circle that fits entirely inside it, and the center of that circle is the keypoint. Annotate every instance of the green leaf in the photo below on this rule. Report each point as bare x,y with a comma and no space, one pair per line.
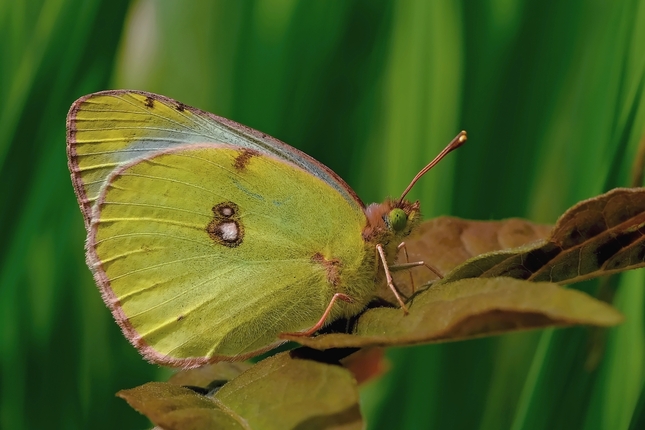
281,392
471,308
172,407
203,376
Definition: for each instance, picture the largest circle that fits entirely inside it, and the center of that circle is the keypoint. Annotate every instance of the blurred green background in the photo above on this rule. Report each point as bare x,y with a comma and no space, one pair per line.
551,94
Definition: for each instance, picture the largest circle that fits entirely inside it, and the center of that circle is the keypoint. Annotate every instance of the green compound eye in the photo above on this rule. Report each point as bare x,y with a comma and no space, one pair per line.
398,219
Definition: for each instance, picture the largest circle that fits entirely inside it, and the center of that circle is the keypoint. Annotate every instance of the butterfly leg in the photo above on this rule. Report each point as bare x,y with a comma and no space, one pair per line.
321,322
409,265
407,260
388,277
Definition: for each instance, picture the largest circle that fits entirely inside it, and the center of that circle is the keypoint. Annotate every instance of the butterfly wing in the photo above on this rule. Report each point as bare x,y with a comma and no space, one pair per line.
109,129
207,252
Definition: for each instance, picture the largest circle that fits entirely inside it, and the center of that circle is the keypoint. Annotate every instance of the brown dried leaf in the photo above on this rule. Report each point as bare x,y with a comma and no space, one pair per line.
446,242
596,237
471,308
281,392
366,364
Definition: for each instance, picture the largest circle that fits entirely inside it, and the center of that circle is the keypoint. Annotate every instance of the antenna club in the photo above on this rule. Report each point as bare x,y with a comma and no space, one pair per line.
459,140
463,136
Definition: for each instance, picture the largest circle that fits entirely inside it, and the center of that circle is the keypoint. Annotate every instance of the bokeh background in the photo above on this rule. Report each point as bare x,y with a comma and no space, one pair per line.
551,94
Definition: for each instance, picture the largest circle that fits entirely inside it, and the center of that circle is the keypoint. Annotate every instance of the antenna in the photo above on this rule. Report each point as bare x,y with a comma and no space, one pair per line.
455,143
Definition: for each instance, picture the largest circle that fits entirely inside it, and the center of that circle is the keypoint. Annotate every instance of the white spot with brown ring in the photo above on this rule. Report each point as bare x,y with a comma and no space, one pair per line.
226,228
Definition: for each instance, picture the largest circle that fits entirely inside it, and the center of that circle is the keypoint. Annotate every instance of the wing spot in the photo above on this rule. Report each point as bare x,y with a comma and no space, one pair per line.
332,267
226,228
226,209
242,160
228,231
180,107
150,102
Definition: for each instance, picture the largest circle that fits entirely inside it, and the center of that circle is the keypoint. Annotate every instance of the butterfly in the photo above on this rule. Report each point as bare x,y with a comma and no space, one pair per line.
208,239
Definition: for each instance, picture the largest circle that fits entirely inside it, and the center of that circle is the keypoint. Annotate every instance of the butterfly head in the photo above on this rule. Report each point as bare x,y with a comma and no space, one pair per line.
391,220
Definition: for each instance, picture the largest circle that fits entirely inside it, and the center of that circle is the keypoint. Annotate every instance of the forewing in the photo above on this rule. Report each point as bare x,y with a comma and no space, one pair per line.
109,129
208,252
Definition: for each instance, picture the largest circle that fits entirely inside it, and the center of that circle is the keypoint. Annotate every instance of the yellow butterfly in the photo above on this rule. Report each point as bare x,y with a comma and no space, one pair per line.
209,239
